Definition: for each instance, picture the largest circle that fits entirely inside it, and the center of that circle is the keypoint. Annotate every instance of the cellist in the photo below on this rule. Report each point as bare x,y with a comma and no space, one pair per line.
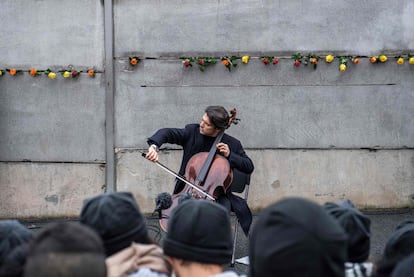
196,138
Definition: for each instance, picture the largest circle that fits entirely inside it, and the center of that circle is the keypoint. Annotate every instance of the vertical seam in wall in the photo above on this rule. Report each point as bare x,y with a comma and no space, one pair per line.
109,96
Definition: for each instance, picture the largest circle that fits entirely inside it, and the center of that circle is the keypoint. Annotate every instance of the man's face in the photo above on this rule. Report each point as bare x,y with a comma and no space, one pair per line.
207,128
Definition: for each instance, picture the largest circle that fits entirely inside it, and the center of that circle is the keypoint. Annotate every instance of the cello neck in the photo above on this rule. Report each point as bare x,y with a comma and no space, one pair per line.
204,170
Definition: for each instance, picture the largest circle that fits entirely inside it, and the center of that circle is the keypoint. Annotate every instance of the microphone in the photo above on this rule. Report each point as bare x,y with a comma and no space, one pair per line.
162,202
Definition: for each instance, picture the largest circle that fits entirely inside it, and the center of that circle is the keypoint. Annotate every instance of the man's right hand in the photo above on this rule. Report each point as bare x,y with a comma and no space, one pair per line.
152,154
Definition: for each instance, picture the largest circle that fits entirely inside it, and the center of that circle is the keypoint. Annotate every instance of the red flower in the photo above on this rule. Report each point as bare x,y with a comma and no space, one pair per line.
265,61
275,61
296,63
186,63
200,61
74,74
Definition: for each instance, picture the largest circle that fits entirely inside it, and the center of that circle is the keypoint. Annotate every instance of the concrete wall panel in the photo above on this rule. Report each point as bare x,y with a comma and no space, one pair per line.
44,33
371,179
47,189
162,28
274,116
52,120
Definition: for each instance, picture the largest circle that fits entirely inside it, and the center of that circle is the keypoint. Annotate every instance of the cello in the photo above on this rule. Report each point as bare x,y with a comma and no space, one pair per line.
207,176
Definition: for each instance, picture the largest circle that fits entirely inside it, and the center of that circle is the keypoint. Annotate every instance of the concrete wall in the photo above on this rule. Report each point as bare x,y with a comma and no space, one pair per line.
320,134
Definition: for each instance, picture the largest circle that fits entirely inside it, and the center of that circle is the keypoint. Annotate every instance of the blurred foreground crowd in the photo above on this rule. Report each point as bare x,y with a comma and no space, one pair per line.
291,237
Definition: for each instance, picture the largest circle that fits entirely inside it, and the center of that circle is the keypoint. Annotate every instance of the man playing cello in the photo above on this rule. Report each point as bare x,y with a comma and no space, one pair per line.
196,138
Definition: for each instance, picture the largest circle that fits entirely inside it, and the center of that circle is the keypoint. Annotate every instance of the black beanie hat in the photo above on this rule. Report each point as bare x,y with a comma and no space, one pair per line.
117,218
405,267
12,234
398,246
356,225
199,231
297,237
401,242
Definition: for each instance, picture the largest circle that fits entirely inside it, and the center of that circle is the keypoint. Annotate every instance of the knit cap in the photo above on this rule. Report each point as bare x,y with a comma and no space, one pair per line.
12,234
117,218
356,225
199,231
297,237
405,267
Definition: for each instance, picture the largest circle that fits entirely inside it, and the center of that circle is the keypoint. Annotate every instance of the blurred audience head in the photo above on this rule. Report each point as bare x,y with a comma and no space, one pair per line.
405,267
117,219
14,262
356,225
66,249
399,245
297,237
12,234
199,231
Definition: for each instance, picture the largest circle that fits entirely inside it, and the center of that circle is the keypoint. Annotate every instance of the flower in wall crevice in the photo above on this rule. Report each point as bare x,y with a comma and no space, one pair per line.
188,61
203,62
269,60
229,62
400,59
67,73
343,61
91,72
1,72
76,73
34,72
311,59
354,59
410,59
383,58
14,71
134,60
50,74
378,59
297,59
329,58
245,59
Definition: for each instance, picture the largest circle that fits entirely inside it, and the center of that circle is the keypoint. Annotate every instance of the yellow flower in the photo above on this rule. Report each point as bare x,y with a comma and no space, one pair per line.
411,60
400,60
329,58
245,59
383,58
1,72
66,74
342,67
51,75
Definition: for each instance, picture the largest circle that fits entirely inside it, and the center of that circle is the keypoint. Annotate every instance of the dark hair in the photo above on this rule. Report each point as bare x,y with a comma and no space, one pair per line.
68,248
66,237
218,116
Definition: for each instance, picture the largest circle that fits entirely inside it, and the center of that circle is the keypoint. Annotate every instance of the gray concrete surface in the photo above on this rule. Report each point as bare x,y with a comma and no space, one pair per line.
383,224
305,129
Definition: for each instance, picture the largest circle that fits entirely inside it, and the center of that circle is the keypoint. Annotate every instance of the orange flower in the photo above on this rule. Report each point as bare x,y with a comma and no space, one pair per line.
13,71
225,62
33,72
373,59
355,60
133,60
91,73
